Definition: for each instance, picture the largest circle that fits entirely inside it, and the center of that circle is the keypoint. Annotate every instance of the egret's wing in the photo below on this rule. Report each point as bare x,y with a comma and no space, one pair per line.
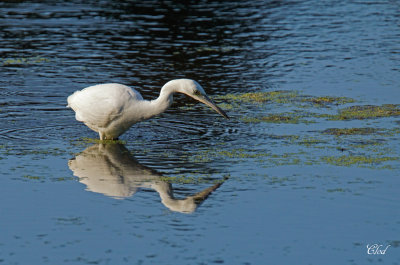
98,106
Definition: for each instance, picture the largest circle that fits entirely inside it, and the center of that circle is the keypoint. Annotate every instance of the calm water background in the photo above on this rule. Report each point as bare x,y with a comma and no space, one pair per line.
265,213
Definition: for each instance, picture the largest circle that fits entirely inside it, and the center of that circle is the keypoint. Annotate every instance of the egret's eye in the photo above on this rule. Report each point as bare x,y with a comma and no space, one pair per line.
197,93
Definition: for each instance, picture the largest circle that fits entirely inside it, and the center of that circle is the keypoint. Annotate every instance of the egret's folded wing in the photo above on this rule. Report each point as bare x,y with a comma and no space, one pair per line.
99,105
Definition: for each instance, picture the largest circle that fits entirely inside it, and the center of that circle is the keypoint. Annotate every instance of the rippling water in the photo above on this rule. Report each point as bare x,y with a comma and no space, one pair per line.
188,187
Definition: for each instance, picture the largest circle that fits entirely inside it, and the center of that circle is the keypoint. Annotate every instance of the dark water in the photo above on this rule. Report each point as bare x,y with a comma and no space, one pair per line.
68,200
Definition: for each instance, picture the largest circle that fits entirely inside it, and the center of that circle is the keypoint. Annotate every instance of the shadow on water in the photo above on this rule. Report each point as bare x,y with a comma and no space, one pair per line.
111,170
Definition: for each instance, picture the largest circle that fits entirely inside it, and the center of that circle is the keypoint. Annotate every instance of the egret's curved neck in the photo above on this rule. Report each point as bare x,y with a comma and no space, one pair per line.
164,100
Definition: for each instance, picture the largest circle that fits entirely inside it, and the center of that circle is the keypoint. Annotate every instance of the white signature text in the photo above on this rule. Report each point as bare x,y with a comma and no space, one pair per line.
376,249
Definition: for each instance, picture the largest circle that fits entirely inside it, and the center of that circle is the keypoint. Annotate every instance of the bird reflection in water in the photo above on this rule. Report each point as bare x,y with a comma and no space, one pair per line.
110,169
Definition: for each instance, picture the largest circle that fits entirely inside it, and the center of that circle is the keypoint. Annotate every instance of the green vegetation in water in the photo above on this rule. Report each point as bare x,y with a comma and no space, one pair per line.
25,61
87,140
351,131
9,150
31,177
290,118
367,112
284,137
322,101
280,96
367,146
240,153
351,113
359,160
272,118
286,159
183,179
310,141
63,179
285,97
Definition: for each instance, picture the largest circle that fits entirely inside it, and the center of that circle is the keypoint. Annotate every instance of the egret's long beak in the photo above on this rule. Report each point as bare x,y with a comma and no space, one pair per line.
206,100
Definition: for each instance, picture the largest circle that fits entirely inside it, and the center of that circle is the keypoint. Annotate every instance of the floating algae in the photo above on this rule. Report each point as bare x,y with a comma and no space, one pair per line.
183,179
285,97
87,140
25,61
367,112
282,96
323,101
273,118
358,160
351,131
288,117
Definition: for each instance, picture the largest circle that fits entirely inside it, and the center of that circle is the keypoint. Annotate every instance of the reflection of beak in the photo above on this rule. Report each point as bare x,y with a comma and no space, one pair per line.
206,100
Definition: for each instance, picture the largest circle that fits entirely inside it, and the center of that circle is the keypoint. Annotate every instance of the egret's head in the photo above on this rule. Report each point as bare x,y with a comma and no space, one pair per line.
194,90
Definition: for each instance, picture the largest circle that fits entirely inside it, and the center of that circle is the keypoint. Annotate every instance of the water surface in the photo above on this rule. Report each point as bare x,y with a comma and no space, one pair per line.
292,177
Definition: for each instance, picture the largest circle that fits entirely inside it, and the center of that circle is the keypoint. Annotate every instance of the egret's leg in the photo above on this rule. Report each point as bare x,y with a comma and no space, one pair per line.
101,136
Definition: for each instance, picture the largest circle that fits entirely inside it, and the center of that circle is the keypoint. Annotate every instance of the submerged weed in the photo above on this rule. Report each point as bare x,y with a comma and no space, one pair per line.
367,112
87,140
277,118
323,101
282,96
285,97
31,177
351,131
358,160
25,61
183,179
310,141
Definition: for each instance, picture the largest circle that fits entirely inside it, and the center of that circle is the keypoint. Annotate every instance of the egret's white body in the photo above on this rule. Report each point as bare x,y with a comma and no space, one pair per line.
111,109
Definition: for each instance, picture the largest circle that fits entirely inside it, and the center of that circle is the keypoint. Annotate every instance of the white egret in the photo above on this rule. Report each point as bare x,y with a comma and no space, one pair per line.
111,109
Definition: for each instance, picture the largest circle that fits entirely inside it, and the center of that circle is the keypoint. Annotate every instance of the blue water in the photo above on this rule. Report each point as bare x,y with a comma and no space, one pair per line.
66,200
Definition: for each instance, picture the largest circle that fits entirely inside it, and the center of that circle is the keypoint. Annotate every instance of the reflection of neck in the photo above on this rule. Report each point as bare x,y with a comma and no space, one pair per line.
164,189
187,205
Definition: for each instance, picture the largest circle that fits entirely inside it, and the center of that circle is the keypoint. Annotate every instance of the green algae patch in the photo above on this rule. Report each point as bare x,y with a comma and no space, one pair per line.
286,97
273,118
37,153
29,177
280,96
287,137
87,140
25,61
286,159
358,160
310,141
183,179
351,131
367,112
290,118
328,100
276,118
